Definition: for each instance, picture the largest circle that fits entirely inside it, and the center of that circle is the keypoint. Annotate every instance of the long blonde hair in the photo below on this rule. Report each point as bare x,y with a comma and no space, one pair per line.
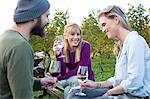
117,48
73,27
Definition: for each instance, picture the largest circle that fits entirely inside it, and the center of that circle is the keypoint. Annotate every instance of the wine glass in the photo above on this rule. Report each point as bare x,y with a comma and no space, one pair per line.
59,44
38,57
82,75
55,68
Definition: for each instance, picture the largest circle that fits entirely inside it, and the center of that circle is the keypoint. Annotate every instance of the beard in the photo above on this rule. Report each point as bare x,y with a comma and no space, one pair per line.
38,29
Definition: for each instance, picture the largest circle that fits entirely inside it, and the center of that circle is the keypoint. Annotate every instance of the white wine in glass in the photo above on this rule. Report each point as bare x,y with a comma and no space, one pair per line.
82,75
59,44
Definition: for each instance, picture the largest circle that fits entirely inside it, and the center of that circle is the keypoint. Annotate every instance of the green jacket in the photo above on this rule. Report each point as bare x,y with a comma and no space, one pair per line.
16,67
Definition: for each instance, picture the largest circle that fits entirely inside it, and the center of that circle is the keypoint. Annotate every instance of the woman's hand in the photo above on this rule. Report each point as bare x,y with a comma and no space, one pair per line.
90,84
56,49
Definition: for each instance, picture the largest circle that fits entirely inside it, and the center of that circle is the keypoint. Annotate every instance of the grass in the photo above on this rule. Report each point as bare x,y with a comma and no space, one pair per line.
103,68
38,94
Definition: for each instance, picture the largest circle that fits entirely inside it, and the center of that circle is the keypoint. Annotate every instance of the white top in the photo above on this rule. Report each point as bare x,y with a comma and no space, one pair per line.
132,70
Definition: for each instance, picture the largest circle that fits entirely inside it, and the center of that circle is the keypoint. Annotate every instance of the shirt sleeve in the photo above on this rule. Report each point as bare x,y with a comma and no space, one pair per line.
86,59
20,78
135,66
113,81
37,85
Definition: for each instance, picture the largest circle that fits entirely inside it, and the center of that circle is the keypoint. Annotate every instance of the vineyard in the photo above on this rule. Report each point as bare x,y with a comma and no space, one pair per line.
103,59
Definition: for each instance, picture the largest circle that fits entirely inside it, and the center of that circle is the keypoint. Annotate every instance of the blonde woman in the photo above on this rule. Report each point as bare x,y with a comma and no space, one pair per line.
132,70
77,53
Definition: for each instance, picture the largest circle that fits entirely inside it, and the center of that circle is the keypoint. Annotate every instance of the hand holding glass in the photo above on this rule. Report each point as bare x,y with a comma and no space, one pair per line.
82,75
58,46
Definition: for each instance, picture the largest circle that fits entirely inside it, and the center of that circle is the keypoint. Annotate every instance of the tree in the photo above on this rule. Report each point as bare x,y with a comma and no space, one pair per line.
139,21
100,45
54,28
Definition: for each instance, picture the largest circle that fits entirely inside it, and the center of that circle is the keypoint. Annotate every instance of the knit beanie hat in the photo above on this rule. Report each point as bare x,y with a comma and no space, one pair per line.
27,10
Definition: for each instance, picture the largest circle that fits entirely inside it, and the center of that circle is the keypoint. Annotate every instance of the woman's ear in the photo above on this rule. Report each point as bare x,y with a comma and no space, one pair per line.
116,20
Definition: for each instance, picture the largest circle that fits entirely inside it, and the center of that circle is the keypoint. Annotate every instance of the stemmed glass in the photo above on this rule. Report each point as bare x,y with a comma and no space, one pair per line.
55,68
38,57
82,75
59,44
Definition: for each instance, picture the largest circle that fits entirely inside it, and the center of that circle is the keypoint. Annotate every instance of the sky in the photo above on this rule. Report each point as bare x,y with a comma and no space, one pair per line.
78,9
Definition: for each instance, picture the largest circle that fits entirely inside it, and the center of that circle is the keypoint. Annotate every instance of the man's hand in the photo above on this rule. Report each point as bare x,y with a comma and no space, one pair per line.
48,82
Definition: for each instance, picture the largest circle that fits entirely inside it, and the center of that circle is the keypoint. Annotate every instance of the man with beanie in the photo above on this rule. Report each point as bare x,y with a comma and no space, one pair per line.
16,54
